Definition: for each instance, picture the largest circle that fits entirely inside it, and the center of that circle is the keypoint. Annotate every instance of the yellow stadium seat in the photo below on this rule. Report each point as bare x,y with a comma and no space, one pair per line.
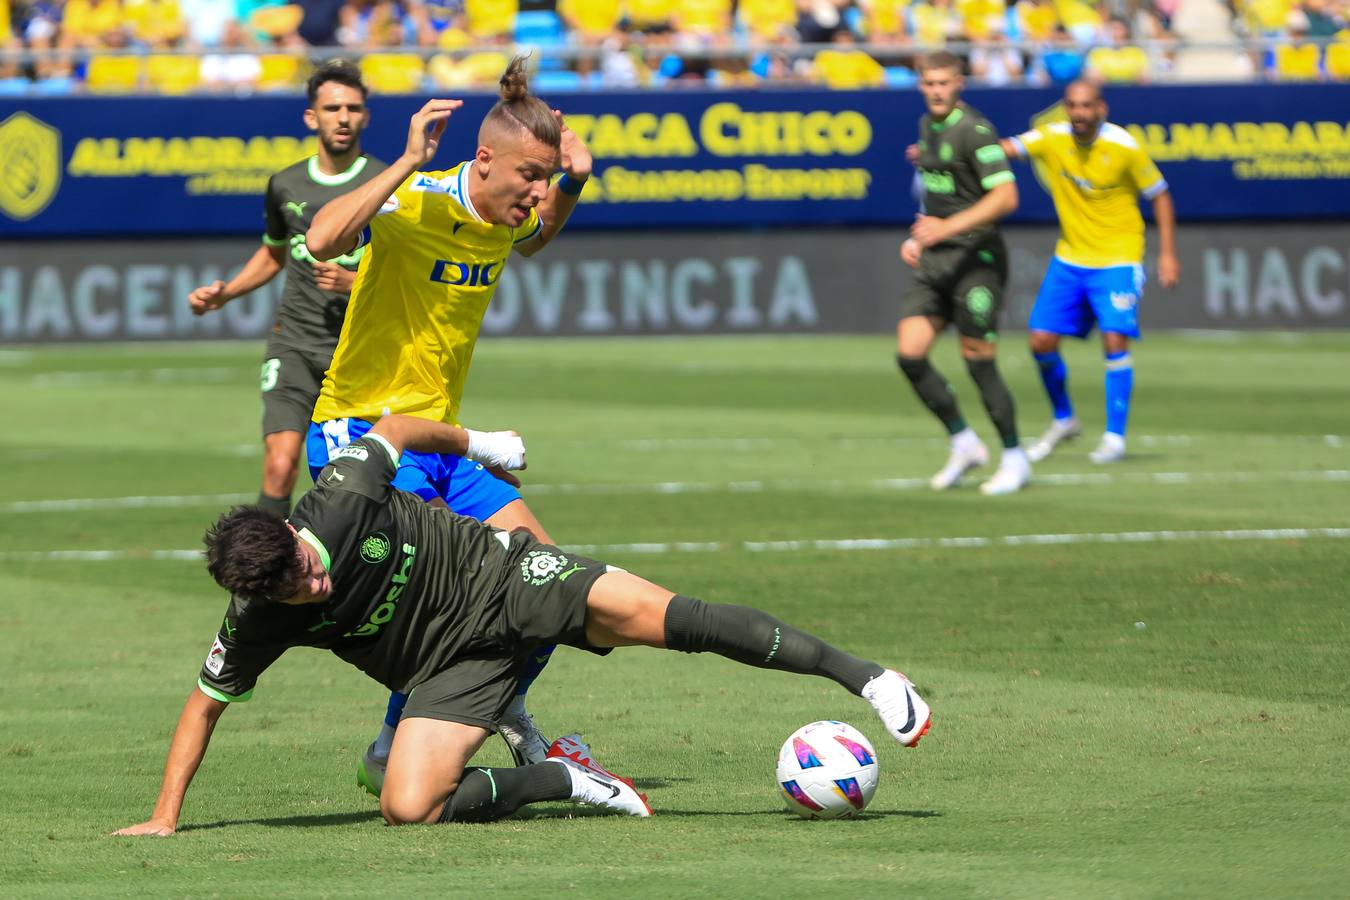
1121,65
649,13
276,21
113,74
173,74
980,16
1038,22
1338,61
768,19
885,18
591,18
1297,62
845,70
1268,16
930,25
491,18
393,73
278,70
703,17
475,70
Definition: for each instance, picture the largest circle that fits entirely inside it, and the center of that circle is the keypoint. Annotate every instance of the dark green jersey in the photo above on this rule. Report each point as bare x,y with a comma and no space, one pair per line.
959,162
412,585
308,318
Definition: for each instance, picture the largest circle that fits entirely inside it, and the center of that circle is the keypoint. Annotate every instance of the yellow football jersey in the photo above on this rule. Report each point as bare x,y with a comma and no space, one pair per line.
430,269
1096,189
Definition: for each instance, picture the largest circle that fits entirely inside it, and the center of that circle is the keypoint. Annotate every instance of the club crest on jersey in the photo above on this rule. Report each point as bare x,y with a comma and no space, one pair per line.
462,274
375,548
215,660
541,566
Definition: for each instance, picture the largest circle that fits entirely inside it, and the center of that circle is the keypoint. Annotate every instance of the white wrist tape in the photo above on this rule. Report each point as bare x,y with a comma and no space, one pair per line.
497,448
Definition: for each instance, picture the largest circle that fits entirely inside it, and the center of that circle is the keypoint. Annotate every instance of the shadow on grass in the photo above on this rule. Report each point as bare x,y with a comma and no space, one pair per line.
328,820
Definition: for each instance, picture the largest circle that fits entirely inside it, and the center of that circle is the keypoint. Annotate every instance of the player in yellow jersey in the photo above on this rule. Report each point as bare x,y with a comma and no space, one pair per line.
436,242
1095,172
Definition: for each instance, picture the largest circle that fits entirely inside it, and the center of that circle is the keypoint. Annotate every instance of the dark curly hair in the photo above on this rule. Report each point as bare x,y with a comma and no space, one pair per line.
343,71
252,554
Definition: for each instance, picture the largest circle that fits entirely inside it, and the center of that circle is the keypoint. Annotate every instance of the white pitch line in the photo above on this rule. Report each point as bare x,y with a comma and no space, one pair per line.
1064,479
95,503
195,375
846,545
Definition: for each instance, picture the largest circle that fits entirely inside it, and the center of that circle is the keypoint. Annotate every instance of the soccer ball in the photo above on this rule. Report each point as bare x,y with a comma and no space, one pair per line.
827,770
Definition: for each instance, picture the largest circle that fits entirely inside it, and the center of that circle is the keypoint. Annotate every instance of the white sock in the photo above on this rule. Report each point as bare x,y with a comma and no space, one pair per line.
383,743
965,439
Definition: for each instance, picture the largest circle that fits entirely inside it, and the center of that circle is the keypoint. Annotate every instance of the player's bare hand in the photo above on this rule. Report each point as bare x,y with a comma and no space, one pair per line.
426,127
332,277
910,251
1169,270
576,159
499,472
207,297
912,154
928,230
146,829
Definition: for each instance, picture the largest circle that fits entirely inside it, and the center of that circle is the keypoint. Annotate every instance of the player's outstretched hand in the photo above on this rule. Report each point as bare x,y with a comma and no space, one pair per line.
910,251
1169,270
332,277
207,297
146,829
502,474
576,159
912,154
928,230
426,127
501,449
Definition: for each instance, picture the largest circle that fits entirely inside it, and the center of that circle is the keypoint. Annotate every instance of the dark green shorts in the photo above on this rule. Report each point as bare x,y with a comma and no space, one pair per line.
542,603
961,284
290,385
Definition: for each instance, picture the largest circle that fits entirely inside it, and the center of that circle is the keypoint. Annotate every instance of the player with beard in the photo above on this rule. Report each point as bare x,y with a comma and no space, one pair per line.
435,243
1095,172
314,300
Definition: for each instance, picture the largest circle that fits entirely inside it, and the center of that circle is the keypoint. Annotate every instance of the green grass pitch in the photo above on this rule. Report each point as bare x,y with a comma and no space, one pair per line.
1152,703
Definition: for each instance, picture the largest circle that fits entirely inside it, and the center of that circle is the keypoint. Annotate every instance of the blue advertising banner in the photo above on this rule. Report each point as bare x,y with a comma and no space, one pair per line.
74,167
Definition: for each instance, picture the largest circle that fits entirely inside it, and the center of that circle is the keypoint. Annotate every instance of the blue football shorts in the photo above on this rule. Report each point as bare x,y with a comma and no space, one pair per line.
467,487
1074,298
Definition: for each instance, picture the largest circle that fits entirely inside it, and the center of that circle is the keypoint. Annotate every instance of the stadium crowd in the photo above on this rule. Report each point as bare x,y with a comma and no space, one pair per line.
182,46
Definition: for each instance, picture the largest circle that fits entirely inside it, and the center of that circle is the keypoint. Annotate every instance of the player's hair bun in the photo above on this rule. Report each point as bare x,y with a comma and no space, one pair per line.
515,83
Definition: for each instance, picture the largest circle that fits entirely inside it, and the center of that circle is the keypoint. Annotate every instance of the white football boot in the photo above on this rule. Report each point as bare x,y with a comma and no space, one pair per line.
528,745
571,746
965,455
1013,474
901,709
1060,430
595,787
1110,450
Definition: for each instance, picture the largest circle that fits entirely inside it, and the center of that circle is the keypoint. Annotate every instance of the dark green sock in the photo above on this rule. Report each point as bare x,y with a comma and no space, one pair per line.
757,639
933,390
486,795
997,399
277,506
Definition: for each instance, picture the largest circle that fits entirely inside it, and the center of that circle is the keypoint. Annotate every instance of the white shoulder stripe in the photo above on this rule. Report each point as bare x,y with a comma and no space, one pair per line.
1117,135
1059,128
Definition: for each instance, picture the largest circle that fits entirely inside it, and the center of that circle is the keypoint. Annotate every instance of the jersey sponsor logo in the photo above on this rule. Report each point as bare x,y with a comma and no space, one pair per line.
361,454
542,566
301,253
937,182
375,548
427,183
385,611
215,660
390,205
460,274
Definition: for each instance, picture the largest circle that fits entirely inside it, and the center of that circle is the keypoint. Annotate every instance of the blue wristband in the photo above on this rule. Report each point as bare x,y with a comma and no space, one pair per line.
569,185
